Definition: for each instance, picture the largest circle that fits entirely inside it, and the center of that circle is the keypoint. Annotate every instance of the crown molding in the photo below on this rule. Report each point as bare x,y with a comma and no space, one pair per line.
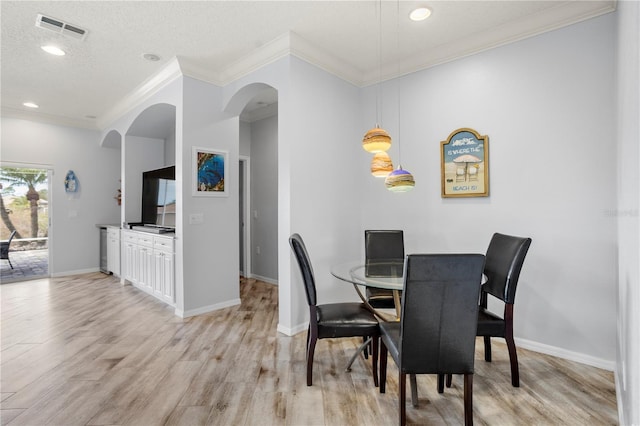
330,63
268,53
144,91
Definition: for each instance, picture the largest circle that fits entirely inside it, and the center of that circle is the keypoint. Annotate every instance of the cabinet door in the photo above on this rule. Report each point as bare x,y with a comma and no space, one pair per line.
129,261
146,268
158,262
168,283
113,256
116,257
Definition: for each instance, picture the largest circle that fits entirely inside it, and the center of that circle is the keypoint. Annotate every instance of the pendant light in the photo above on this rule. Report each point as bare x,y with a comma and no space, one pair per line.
377,139
399,180
381,164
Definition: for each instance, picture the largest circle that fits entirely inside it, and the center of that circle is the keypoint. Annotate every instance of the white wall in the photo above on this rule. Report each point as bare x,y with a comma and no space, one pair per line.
74,239
319,122
210,248
245,139
264,199
628,349
547,105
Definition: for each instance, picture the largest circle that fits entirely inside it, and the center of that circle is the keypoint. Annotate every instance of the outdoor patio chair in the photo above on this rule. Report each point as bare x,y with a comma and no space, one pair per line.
4,248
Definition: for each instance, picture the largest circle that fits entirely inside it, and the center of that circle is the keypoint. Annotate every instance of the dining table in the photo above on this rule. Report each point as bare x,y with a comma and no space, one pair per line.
385,275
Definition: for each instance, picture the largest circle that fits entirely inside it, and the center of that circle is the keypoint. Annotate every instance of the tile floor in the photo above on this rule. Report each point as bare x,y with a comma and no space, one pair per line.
28,264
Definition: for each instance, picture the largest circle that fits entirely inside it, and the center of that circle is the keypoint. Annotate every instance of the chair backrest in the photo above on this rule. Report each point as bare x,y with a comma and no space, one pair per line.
384,252
13,233
300,251
440,312
505,257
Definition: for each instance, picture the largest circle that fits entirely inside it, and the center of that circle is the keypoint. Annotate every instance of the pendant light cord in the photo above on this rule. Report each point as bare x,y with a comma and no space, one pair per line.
398,77
378,90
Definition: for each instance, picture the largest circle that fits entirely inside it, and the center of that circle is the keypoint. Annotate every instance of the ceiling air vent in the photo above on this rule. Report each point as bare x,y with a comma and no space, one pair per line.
60,27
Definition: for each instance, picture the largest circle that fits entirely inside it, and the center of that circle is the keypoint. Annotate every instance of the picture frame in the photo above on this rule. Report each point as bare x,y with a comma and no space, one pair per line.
464,164
210,171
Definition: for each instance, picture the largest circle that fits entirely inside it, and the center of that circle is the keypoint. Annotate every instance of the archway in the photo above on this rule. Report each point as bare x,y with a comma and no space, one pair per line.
256,105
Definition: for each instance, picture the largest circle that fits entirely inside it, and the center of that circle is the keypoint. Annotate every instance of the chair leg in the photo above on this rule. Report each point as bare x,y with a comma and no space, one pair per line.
440,383
366,350
468,399
413,384
374,358
487,348
383,367
513,359
449,379
402,388
511,345
311,347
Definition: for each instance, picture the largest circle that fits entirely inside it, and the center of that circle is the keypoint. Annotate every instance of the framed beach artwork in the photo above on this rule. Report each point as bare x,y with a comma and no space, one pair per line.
210,171
464,164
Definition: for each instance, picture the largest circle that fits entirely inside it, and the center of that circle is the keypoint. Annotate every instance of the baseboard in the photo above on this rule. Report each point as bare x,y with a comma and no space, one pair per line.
264,279
206,309
292,331
76,272
565,354
521,343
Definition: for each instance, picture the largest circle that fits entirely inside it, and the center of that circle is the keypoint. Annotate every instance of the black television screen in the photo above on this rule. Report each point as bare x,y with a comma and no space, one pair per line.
159,197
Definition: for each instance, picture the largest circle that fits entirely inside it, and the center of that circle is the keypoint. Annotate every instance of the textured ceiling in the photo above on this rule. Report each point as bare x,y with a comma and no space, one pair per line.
215,41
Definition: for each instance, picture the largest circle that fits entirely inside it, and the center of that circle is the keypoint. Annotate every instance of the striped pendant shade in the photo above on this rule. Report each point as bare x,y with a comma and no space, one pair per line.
399,180
381,164
376,140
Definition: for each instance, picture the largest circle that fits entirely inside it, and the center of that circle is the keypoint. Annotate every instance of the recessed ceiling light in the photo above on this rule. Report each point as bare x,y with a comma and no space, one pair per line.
151,57
53,50
420,14
30,105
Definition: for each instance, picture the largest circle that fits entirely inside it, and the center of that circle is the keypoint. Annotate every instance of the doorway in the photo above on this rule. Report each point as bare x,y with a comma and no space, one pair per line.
244,200
25,204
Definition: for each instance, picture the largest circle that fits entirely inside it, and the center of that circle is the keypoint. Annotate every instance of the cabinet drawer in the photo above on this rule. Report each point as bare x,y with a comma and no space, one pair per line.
113,233
164,244
145,240
130,237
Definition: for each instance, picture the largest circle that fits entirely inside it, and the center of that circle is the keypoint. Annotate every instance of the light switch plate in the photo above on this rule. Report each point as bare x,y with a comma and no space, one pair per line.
196,218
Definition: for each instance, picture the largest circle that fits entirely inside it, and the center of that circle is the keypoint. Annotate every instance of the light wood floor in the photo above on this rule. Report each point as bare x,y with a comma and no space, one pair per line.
85,350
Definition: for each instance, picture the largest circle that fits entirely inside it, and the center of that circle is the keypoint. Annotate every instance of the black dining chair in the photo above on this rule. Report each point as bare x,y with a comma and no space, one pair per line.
505,257
4,248
384,257
348,319
437,329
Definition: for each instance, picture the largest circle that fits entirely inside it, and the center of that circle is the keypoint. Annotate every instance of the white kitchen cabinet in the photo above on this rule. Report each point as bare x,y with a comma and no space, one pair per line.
149,263
113,250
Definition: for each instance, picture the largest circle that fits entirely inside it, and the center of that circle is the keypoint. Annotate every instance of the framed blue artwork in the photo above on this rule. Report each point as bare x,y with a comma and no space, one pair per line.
210,172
